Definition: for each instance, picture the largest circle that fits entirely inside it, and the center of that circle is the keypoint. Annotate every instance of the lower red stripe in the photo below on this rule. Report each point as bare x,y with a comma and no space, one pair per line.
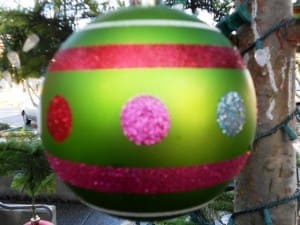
144,56
146,180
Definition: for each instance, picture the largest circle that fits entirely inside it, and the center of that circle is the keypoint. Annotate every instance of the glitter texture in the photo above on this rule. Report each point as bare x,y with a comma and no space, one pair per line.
231,114
145,56
59,118
145,120
146,180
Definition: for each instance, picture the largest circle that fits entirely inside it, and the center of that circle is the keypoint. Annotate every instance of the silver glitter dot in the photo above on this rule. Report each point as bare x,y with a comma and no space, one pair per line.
231,114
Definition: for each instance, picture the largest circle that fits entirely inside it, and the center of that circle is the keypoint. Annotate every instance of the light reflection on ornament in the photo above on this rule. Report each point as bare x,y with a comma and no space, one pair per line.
231,114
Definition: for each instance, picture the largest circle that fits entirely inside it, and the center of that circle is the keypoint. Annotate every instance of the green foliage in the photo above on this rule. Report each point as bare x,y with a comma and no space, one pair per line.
20,183
22,157
183,220
224,202
70,11
221,9
210,213
218,8
4,126
206,215
93,8
16,26
52,21
298,159
17,133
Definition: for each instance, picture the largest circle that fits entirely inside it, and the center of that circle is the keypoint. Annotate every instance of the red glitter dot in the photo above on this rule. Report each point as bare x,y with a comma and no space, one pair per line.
59,118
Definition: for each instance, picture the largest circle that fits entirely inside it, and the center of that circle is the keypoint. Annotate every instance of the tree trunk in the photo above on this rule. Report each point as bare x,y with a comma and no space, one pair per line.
270,173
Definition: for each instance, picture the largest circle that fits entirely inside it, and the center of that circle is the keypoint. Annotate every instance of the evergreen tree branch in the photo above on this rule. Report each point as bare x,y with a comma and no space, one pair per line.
23,159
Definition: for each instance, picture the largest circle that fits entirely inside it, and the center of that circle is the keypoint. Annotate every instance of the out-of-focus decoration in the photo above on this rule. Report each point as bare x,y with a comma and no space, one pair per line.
296,9
31,41
170,113
261,54
6,75
233,21
37,221
14,59
13,56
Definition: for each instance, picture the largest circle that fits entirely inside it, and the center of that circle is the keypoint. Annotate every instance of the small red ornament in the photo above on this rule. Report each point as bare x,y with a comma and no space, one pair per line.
41,222
37,221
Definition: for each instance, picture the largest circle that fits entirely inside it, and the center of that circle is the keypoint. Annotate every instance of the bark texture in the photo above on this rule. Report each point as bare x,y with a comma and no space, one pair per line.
270,173
292,32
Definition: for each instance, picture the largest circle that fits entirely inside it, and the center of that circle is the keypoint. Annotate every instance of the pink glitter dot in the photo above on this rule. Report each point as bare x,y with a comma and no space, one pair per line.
145,120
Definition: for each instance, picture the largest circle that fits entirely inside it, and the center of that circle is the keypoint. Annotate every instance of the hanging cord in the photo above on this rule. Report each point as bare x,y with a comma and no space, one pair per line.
266,34
264,208
283,125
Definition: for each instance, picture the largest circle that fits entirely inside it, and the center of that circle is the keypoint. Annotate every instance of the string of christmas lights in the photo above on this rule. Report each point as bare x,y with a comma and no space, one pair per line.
258,42
265,208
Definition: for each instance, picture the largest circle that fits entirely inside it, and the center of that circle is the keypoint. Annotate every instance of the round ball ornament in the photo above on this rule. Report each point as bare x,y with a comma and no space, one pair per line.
147,113
40,222
296,10
36,220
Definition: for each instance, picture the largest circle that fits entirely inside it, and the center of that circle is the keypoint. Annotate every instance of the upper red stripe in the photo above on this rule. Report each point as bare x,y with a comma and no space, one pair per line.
146,56
146,180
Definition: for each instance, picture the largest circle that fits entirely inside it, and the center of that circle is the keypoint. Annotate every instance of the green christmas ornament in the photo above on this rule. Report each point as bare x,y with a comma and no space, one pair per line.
296,10
147,113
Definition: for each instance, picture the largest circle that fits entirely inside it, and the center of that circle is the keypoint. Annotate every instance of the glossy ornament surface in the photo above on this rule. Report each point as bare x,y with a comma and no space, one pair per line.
296,10
147,113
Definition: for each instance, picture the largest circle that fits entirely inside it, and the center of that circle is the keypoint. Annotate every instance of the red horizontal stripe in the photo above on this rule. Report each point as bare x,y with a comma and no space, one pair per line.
146,180
145,56
297,10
